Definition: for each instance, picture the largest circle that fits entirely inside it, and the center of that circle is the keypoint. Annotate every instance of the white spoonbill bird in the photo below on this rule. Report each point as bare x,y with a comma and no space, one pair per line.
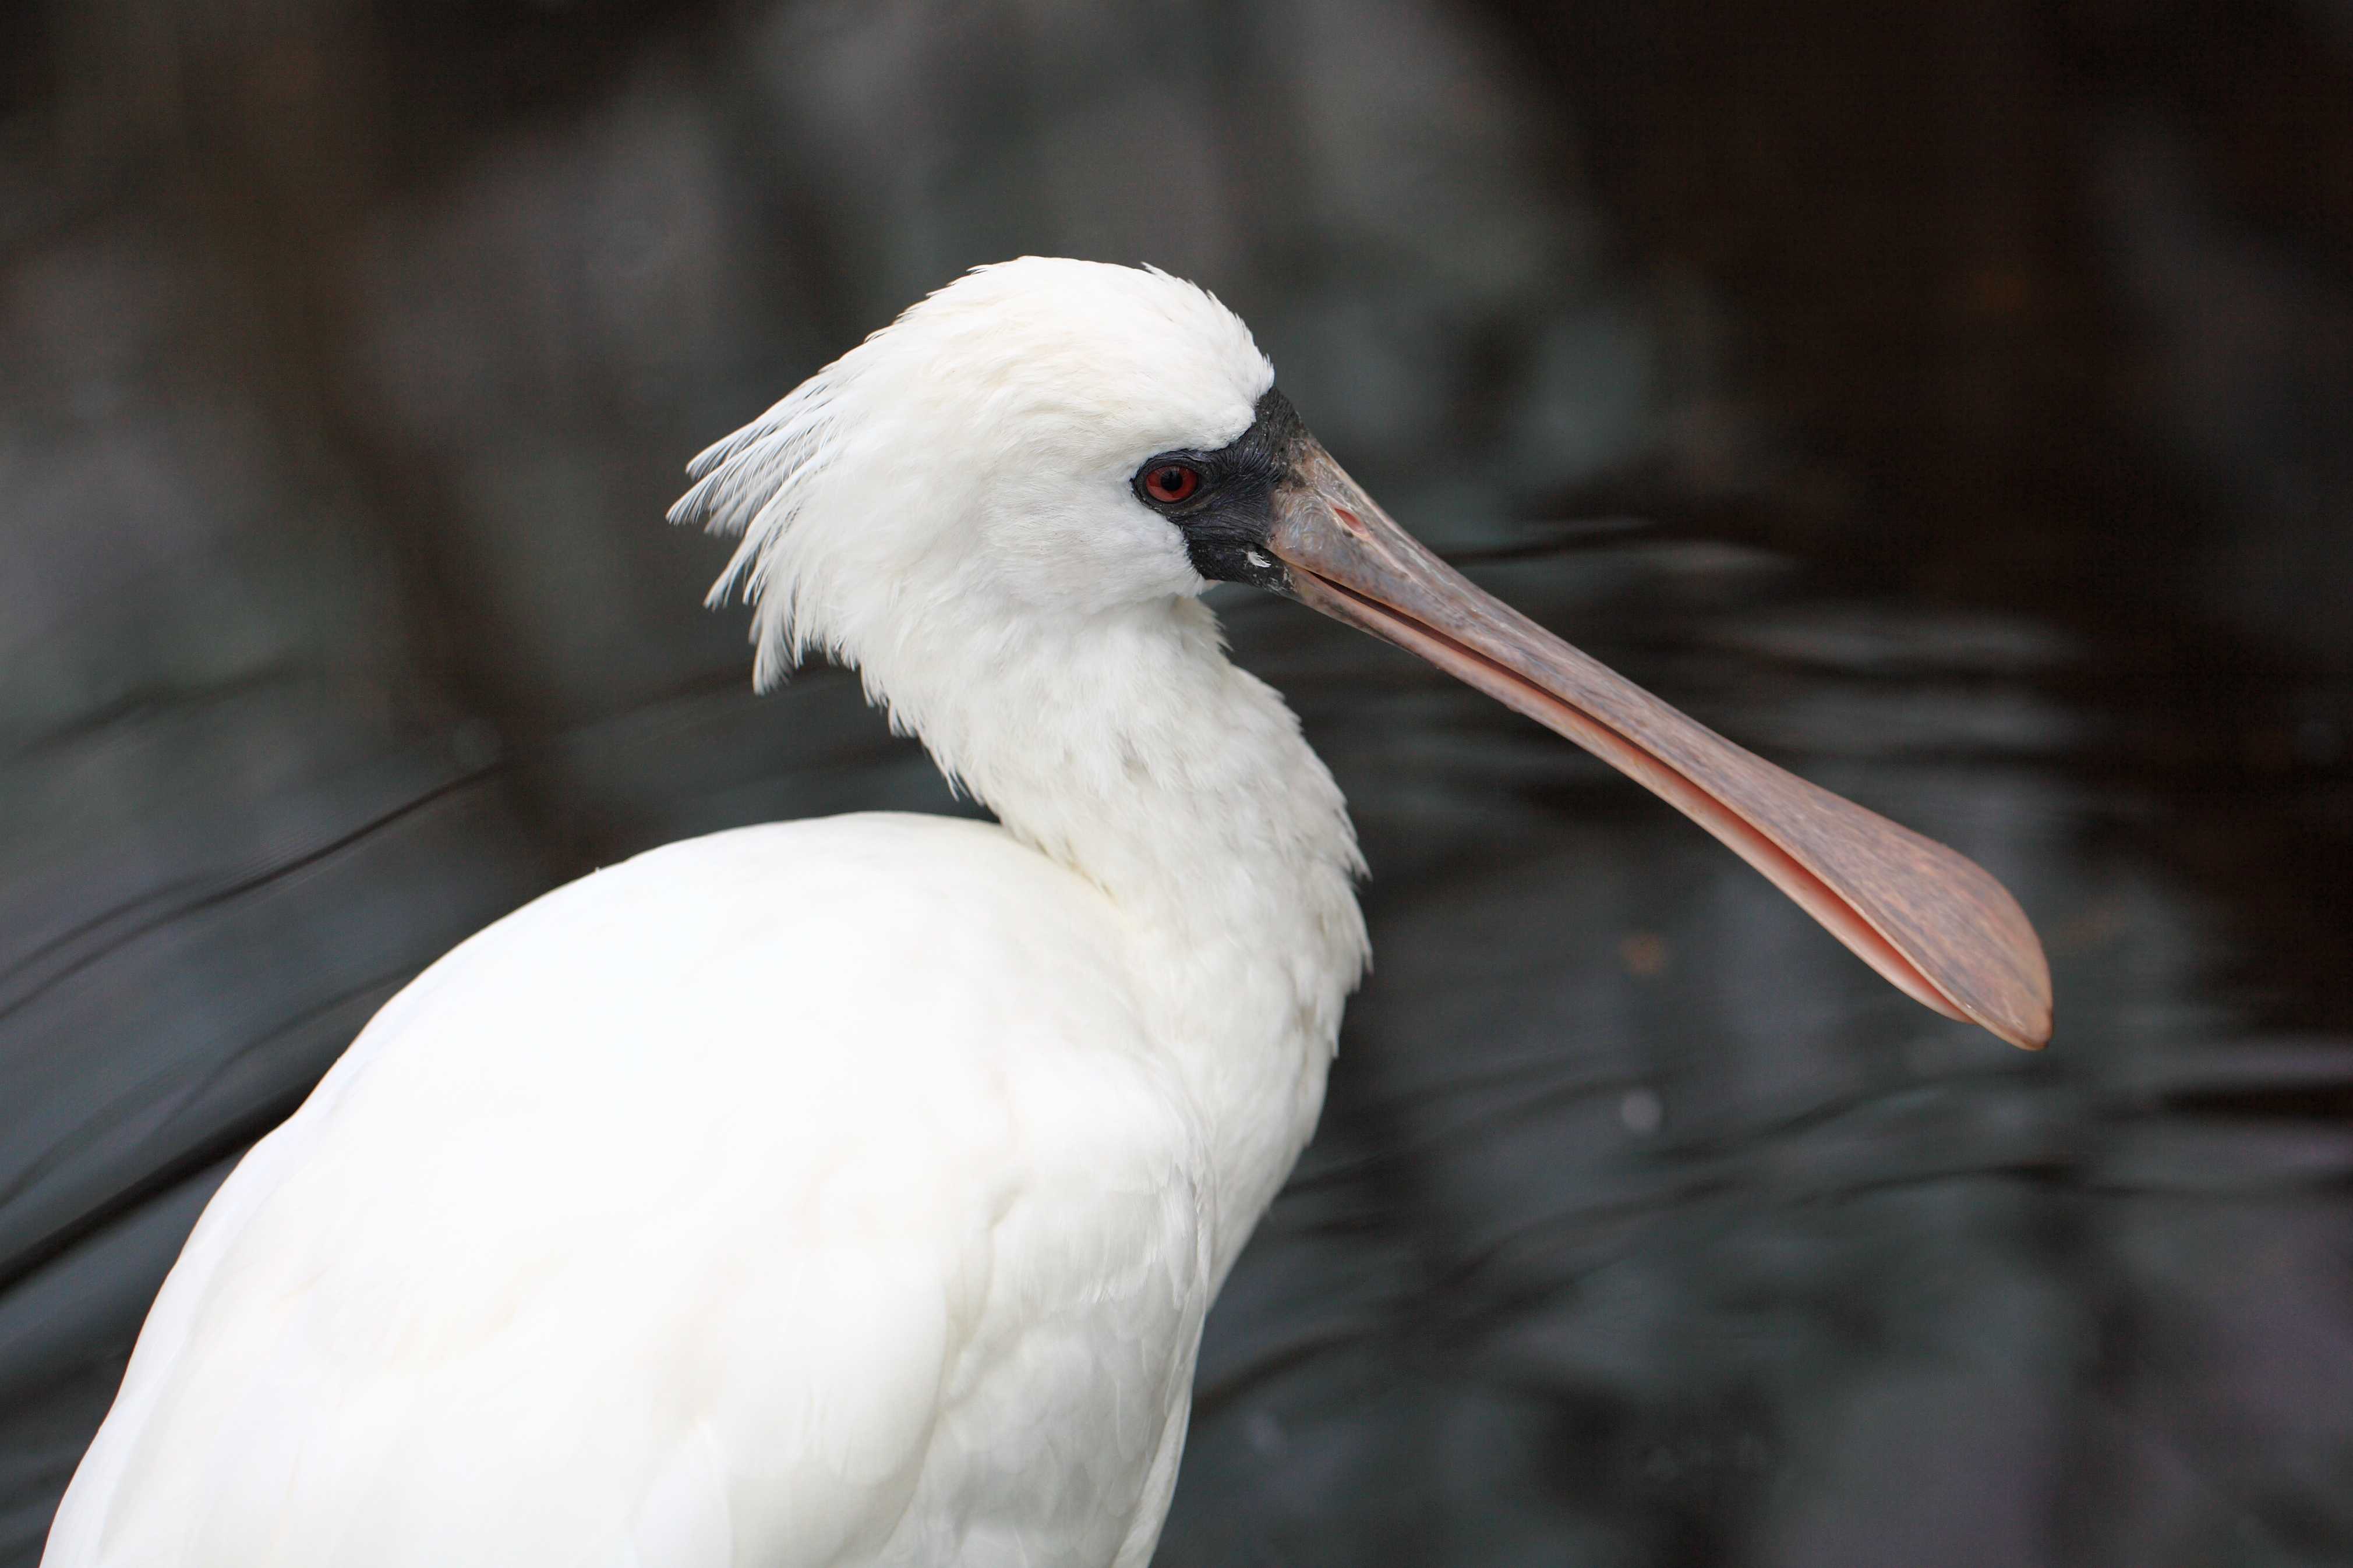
850,1192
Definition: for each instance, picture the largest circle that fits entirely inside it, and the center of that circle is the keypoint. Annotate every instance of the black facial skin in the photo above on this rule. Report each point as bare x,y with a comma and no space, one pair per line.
1227,520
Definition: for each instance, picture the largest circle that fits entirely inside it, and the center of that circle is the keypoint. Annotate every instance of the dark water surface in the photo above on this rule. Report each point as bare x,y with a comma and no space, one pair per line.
1953,405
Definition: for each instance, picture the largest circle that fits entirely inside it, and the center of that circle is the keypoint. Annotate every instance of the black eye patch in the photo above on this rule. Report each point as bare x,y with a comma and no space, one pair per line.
1226,516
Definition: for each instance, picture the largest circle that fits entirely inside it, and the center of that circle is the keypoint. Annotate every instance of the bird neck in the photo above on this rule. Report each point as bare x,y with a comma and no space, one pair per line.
1127,746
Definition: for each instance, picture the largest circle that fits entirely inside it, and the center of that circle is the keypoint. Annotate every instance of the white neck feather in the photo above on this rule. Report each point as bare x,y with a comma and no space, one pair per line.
1125,745
947,508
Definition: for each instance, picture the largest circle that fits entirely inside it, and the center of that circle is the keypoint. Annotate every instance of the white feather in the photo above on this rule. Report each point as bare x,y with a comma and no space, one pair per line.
847,1192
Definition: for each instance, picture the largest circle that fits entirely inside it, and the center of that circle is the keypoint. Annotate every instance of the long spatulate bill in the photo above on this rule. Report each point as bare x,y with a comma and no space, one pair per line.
1932,921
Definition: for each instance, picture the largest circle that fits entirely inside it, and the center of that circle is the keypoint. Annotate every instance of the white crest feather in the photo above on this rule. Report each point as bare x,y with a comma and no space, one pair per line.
1034,367
752,484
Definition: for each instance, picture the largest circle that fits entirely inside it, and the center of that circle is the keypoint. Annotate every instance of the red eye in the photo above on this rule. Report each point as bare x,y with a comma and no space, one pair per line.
1172,482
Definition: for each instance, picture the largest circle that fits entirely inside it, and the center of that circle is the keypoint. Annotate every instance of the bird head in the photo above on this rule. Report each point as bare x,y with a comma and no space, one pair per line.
1046,441
977,457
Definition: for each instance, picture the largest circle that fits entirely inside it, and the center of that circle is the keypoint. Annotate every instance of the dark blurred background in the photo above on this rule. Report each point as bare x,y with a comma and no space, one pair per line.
1952,400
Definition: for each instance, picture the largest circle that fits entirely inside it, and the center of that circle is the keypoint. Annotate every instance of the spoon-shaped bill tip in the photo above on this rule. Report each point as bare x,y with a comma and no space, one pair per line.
1932,921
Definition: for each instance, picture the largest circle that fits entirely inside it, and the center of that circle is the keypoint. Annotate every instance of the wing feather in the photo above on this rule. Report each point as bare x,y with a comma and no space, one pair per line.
795,1195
